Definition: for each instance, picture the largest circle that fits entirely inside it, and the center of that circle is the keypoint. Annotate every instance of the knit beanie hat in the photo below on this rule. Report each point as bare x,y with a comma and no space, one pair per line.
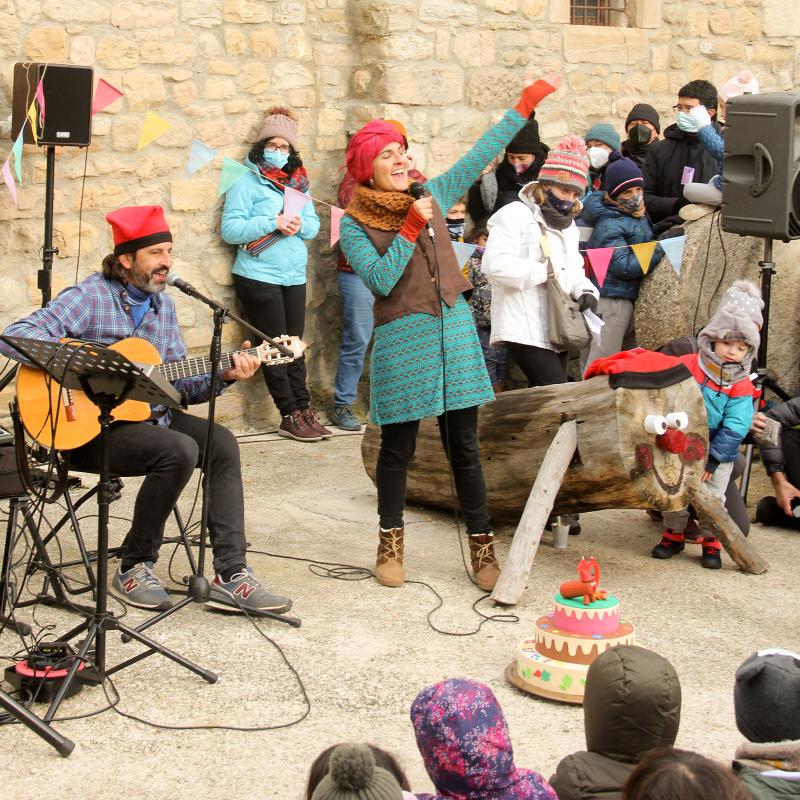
527,140
766,696
366,143
353,775
621,174
279,122
567,164
746,296
645,112
605,133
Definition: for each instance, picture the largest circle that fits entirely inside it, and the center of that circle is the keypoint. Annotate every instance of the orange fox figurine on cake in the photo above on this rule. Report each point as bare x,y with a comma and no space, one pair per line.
588,585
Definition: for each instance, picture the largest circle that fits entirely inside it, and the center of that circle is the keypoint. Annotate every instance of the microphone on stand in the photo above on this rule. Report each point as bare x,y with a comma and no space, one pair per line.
418,191
173,279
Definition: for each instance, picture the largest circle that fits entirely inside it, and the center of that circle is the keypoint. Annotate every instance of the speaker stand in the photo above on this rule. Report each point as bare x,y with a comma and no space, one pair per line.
45,274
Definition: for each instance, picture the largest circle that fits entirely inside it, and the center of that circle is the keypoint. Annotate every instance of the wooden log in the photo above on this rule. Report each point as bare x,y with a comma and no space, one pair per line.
517,564
714,517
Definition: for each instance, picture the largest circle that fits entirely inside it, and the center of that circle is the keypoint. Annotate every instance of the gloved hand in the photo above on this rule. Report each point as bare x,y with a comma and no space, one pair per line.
587,300
701,116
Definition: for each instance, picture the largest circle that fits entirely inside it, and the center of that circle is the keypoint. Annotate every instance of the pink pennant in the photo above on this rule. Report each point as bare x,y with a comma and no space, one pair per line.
104,95
600,258
293,202
336,219
39,97
9,181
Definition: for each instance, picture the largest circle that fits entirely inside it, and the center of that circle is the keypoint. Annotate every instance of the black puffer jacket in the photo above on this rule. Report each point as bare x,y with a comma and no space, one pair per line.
632,704
663,170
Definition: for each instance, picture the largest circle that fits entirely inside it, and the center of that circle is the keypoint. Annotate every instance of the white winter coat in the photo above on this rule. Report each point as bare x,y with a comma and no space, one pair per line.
516,267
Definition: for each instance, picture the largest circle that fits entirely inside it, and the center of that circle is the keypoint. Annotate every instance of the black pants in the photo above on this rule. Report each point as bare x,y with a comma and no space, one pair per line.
459,430
541,367
167,457
276,310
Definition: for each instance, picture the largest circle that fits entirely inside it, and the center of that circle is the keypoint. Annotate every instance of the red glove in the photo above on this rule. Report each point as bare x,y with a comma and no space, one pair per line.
414,223
531,95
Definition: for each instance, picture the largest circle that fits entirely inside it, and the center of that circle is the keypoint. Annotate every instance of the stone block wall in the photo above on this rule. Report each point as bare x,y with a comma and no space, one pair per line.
446,68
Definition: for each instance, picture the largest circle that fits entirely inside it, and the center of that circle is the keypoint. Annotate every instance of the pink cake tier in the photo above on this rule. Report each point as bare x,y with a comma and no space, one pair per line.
577,648
601,616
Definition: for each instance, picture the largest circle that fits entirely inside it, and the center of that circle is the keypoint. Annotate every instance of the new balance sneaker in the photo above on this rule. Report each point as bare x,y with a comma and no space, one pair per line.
243,593
141,588
671,544
344,418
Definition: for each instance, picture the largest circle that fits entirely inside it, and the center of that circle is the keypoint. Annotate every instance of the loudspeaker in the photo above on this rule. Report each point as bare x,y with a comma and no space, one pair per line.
761,166
67,103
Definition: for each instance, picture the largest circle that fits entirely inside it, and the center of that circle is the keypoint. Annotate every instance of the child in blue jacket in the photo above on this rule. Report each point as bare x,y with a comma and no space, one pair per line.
722,366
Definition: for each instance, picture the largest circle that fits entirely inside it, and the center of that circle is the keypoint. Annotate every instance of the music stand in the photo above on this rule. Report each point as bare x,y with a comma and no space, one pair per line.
108,378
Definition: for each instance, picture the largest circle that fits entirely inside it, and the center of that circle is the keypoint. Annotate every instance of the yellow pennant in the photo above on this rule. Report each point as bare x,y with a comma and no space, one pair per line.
546,250
153,127
644,252
32,118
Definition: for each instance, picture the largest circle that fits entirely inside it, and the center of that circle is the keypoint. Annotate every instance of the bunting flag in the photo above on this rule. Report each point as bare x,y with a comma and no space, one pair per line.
39,97
463,252
199,155
293,202
34,126
153,127
104,95
16,151
9,181
643,253
673,250
600,258
336,220
232,171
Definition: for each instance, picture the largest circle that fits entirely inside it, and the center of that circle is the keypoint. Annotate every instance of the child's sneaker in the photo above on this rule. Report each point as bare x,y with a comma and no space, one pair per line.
692,534
710,558
671,544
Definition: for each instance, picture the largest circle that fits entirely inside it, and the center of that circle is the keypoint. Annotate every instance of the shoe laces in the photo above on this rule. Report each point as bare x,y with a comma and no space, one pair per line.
391,544
246,576
144,574
484,554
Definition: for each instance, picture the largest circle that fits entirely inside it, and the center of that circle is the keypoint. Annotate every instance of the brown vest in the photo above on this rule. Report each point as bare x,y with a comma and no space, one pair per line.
416,290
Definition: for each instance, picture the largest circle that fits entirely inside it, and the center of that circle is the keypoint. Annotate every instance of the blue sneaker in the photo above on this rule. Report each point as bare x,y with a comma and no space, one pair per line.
243,593
140,587
344,418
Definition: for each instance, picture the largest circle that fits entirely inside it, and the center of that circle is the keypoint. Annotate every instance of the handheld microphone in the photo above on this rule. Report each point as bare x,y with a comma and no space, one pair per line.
418,191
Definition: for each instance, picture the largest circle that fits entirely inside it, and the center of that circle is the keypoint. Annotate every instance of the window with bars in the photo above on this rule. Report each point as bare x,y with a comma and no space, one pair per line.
597,12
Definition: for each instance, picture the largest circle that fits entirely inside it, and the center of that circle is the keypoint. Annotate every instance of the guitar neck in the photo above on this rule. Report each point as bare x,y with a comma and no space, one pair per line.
192,367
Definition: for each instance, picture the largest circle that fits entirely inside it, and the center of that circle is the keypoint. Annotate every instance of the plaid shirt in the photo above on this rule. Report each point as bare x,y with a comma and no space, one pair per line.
96,310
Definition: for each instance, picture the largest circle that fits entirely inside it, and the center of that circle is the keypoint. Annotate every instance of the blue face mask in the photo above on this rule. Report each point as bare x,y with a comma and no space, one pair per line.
276,159
562,206
687,123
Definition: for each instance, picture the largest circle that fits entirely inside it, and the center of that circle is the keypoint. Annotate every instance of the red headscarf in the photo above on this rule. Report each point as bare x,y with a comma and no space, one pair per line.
366,144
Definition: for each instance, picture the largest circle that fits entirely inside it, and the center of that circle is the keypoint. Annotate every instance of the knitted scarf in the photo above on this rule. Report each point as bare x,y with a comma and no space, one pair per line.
555,219
385,211
280,180
770,755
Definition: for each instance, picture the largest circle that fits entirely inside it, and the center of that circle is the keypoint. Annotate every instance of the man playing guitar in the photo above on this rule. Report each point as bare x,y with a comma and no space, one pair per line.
126,300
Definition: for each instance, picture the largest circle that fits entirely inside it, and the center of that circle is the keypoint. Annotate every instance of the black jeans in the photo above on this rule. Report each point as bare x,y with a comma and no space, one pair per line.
541,367
276,310
167,457
398,442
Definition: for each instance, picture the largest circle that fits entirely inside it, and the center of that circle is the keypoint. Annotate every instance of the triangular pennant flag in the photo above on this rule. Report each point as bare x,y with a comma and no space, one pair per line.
463,252
643,253
9,180
104,95
39,97
16,151
34,126
293,202
231,172
153,127
336,220
673,250
600,258
199,155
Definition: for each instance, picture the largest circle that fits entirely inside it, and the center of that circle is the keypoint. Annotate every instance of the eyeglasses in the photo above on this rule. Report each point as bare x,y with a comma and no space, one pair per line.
276,148
685,109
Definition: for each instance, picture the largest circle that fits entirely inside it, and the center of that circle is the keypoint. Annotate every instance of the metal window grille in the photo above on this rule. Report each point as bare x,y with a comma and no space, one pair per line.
591,12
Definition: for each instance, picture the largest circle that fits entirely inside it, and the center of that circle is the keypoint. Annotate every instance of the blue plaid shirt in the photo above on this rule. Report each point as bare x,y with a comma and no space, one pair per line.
96,309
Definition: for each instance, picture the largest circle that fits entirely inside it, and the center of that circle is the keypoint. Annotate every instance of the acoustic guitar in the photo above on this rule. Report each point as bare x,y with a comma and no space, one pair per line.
64,419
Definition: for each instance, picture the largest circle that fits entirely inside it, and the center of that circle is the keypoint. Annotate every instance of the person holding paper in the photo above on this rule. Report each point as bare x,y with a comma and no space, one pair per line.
269,214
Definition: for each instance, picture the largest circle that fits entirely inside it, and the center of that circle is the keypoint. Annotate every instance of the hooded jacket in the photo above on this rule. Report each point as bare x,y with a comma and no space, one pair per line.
632,703
463,739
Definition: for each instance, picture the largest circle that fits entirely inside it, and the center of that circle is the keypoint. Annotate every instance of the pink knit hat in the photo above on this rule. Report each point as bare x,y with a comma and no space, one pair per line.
365,145
279,122
567,164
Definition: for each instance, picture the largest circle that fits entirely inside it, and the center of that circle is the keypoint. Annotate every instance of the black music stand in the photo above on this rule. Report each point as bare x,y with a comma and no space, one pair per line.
108,378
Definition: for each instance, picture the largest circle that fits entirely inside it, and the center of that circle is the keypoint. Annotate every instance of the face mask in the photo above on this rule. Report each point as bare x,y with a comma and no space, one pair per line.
640,135
631,203
598,156
520,168
276,159
686,122
557,204
455,226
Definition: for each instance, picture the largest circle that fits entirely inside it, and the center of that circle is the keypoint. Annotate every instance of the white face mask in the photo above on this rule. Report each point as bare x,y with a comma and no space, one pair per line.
598,156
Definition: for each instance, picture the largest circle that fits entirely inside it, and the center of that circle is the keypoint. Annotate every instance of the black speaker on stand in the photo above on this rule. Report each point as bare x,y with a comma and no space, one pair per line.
67,92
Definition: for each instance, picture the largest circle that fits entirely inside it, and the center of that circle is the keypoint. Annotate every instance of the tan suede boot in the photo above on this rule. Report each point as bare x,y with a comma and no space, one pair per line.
484,564
389,563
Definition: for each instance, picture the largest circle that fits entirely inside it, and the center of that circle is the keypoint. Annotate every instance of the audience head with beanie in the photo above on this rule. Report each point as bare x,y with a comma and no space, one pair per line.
624,185
601,140
275,147
526,152
642,126
353,774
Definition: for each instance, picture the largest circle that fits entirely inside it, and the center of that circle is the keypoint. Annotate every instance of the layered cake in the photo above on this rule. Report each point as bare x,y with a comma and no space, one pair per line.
566,641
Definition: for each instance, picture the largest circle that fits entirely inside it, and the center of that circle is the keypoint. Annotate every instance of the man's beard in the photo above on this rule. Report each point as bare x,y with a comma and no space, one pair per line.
144,282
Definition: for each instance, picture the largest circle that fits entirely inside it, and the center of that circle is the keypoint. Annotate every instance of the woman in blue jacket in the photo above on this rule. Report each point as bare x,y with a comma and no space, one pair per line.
619,220
269,273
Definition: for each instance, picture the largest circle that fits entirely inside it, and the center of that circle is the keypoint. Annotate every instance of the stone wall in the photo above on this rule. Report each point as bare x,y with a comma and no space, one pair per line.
446,68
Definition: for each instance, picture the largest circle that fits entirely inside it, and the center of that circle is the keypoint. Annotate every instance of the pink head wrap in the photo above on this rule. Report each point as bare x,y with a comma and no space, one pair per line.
366,144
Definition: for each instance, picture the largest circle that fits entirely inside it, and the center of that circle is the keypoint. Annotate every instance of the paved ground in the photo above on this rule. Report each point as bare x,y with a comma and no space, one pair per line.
364,651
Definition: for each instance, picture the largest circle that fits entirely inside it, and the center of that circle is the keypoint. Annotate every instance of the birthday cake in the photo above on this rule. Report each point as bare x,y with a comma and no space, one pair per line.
566,641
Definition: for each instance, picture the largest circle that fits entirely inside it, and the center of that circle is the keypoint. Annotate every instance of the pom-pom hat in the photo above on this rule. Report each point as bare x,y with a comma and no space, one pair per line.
135,227
366,143
566,164
353,775
279,122
621,174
